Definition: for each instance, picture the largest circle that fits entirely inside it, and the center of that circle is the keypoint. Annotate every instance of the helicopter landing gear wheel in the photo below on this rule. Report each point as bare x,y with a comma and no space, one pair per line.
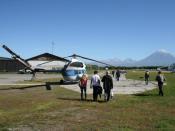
61,81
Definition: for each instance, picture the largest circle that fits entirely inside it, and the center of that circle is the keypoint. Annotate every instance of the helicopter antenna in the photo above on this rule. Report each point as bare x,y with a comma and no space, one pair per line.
53,44
74,56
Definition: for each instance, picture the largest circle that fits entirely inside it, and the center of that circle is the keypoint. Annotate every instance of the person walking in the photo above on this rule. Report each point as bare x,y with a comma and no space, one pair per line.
83,86
118,75
113,73
107,85
95,84
160,80
147,77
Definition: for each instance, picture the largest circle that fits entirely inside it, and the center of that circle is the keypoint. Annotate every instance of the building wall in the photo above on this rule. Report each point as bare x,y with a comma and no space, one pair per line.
10,66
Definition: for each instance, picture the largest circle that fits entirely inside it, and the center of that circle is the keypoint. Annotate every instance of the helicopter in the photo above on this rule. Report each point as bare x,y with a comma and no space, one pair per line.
71,70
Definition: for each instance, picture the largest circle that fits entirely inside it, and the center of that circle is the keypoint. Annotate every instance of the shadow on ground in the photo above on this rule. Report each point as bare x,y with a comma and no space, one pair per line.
79,100
144,95
48,86
22,87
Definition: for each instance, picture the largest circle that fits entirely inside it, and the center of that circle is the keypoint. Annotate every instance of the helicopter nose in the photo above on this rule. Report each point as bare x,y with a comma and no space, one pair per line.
79,76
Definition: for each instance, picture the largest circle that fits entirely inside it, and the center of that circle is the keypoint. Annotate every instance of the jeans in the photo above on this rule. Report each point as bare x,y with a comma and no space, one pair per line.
108,93
160,89
95,93
83,91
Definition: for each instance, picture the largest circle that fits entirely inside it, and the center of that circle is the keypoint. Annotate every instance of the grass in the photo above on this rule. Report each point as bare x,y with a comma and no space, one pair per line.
61,109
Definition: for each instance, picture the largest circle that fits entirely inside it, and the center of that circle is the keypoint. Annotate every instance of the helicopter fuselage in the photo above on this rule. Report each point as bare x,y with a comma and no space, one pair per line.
74,70
71,71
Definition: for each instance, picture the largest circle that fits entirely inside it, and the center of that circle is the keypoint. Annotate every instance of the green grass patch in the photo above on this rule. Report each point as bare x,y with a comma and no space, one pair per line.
61,109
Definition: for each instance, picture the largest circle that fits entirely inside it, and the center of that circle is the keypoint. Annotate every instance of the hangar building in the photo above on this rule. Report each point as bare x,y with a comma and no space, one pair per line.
10,65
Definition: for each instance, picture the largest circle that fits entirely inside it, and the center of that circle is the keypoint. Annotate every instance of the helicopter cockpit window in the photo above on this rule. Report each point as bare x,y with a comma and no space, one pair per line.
69,73
83,71
76,64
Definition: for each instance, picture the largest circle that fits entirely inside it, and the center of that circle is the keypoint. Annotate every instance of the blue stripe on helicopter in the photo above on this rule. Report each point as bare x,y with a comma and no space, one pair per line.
73,72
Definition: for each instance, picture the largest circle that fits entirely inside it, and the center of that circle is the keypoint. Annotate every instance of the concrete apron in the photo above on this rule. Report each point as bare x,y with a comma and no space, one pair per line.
120,87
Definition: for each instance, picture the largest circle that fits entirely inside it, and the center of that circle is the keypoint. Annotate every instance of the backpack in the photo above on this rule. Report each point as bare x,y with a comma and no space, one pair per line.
100,90
160,78
83,82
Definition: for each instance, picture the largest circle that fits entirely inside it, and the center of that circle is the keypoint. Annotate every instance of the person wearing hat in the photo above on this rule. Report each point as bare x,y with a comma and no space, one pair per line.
107,85
160,80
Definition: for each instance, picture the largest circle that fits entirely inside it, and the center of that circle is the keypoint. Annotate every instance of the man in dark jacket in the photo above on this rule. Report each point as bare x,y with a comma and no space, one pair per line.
107,85
160,80
146,77
118,75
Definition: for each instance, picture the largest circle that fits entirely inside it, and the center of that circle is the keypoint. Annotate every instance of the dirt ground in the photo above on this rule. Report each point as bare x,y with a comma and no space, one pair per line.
13,78
124,86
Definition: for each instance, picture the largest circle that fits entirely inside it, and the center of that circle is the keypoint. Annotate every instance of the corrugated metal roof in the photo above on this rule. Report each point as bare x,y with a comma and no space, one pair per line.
47,57
4,58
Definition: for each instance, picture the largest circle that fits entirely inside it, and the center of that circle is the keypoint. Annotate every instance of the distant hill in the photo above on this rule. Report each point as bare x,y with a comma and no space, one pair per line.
118,62
158,58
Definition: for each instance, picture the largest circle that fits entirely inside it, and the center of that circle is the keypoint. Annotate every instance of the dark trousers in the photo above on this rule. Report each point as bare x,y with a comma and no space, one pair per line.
83,91
118,78
108,93
95,93
113,75
146,81
160,89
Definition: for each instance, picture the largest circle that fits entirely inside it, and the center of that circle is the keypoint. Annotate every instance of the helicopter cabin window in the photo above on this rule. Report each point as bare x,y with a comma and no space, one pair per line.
81,71
78,72
76,64
70,73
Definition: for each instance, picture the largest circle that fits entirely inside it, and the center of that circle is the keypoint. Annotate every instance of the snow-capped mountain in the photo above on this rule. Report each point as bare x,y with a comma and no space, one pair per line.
158,58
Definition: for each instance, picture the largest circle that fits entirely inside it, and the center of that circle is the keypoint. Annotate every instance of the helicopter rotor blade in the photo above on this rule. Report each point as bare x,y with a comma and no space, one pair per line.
17,57
86,58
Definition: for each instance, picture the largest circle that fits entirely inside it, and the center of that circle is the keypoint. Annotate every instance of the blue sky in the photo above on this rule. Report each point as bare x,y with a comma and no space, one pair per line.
98,29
